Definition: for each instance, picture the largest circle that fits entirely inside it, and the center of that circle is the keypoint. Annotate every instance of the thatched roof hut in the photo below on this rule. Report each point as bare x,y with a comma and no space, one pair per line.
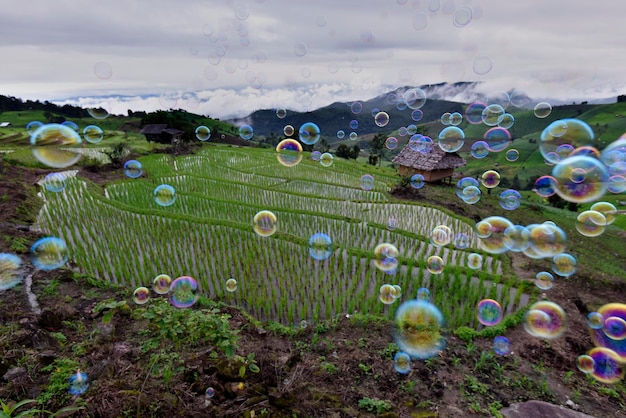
159,132
434,165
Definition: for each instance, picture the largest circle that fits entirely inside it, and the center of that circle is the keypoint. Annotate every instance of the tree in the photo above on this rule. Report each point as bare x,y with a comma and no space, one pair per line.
355,152
378,147
515,183
344,151
324,147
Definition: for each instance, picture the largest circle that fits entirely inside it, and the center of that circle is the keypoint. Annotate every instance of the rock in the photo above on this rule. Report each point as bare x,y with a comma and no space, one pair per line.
14,373
44,341
538,409
50,320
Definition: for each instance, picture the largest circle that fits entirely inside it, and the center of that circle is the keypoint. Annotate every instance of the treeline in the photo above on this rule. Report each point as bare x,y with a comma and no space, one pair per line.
13,104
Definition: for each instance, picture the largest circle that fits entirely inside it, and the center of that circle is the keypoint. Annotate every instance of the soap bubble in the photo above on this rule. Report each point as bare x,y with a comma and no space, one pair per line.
367,182
183,292
309,133
381,119
573,132
326,159
288,130
479,149
543,110
141,295
161,284
435,264
164,195
545,319
585,363
246,132
608,366
545,186
489,312
320,246
9,267
595,320
591,188
497,139
402,362
417,181
474,261
93,134
512,155
590,223
54,182
231,285
419,329
451,139
564,264
510,199
490,179
544,280
54,145
423,294
599,335
133,169
265,223
385,257
501,346
391,143
614,327
78,383
49,253
203,133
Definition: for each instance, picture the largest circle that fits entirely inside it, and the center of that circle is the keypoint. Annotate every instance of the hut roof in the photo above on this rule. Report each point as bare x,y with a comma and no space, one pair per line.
173,131
436,159
153,129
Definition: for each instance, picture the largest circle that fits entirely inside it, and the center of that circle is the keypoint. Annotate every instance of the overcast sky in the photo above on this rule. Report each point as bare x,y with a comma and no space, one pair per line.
227,58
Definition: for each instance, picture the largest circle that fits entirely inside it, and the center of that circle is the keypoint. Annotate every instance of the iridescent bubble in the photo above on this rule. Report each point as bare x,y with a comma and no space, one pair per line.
545,319
392,224
421,143
164,195
489,312
451,139
231,285
9,266
445,118
479,149
133,169
545,186
341,134
471,195
591,188
506,121
490,179
474,261
385,257
288,145
474,113
544,280
210,392
497,139
289,159
55,145
386,294
353,136
316,155
516,238
585,363
411,129
102,70
564,264
423,294
483,229
93,134
402,363
607,209
54,182
501,346
616,184
614,327
463,183
246,132
141,295
397,291
367,182
402,131
595,320
494,243
491,114
512,155
417,181
391,143
462,16
320,246
562,152
326,159
78,383
161,284
441,236
265,223
600,338
557,128
608,365
510,199
354,124
70,124
572,132
417,115
288,130
414,98
482,65
381,119
543,110
461,241
434,264
309,133
419,327
456,118
183,292
49,253
356,108
31,127
203,133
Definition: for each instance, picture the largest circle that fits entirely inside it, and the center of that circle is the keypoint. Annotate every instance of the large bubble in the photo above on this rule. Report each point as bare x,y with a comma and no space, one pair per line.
309,133
164,195
49,253
491,114
55,145
419,329
489,312
608,366
289,145
494,242
573,132
571,187
546,240
320,246
9,266
183,292
265,223
545,319
600,337
385,257
451,139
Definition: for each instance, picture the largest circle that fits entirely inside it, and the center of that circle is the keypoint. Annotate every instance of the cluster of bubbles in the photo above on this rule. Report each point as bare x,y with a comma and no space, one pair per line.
385,258
182,292
389,293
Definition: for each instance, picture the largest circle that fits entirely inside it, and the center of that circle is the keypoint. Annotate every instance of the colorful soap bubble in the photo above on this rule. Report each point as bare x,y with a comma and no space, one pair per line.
451,139
471,195
545,319
340,134
501,346
463,183
493,227
353,136
510,199
289,145
414,98
392,224
497,139
386,294
490,179
608,365
367,182
474,113
315,155
397,291
434,264
417,115
164,195
402,363
246,132
93,134
326,159
616,184
614,327
161,284
288,130
32,126
54,182
54,145
419,326
78,383
445,118
381,119
289,159
423,294
564,264
99,113
183,292
402,131
411,129
590,223
133,169
209,393
49,253
461,241
491,114
9,266
479,150
544,280
474,261
573,132
600,338
417,181
607,209
456,118
320,246
141,295
545,186
585,363
265,223
354,124
440,236
506,121
595,320
542,110
516,238
385,257
591,188
546,240
231,285
70,124
391,143
421,143
489,312
512,155
203,133
356,107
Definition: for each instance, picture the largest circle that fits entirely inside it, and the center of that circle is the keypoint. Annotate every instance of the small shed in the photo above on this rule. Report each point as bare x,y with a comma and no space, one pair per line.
434,165
5,124
159,132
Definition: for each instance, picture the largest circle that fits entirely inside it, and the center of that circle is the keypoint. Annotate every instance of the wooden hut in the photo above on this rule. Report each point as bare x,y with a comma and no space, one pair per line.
434,165
159,132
